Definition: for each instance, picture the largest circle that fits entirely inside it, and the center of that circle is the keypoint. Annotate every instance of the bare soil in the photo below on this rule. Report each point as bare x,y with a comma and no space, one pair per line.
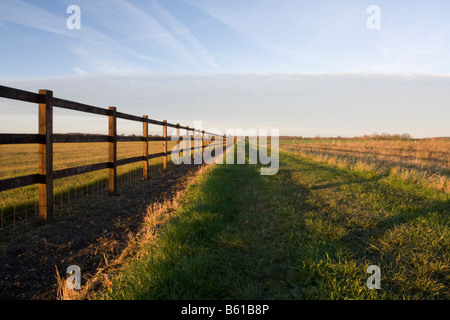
95,230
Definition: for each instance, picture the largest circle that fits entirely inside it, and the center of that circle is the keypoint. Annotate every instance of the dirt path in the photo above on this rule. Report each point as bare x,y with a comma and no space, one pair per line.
95,231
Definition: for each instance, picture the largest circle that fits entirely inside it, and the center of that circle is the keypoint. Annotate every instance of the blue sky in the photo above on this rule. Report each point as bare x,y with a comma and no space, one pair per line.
198,49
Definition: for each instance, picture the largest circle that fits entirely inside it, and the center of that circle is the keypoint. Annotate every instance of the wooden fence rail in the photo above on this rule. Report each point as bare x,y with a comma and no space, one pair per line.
45,139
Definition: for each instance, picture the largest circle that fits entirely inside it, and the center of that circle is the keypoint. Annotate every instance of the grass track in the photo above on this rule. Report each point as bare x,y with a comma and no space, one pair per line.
308,232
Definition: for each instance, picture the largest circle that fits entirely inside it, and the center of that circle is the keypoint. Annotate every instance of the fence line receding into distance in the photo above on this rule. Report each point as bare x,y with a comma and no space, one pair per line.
45,139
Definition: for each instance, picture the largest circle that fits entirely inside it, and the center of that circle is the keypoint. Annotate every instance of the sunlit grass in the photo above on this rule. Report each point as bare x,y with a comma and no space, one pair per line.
422,161
308,232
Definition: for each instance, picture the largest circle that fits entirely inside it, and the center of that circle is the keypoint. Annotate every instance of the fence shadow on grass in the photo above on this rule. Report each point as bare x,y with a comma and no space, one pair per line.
387,233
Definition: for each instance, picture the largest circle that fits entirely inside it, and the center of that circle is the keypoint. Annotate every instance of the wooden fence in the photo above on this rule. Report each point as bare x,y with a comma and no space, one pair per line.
45,139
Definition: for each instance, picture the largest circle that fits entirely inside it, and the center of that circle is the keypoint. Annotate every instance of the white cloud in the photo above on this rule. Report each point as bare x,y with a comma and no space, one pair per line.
301,104
79,70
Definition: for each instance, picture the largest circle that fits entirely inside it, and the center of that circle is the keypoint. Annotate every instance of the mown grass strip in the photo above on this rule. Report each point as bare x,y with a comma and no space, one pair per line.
308,232
221,244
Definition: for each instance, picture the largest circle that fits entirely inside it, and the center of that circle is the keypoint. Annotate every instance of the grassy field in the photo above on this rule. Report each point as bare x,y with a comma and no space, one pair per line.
308,232
422,161
19,205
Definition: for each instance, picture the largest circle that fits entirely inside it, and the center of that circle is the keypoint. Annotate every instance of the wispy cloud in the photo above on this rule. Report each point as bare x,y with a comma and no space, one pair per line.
141,35
132,36
25,14
145,30
332,36
79,70
91,46
177,28
134,23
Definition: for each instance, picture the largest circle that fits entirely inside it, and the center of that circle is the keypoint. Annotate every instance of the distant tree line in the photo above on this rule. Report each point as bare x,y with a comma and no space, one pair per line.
375,136
387,136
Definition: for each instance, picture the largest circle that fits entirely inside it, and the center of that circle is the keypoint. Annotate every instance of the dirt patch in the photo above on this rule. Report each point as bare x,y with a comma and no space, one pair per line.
93,232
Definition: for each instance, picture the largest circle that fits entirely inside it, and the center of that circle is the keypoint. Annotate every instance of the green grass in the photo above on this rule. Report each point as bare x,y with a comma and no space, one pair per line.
308,232
348,220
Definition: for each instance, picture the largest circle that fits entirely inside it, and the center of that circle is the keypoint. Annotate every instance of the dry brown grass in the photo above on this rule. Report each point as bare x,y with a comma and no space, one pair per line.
20,205
425,161
22,159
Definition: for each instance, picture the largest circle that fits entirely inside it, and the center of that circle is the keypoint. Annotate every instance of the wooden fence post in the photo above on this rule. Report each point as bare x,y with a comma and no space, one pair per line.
178,141
225,147
193,145
188,139
146,174
165,144
203,140
112,142
45,169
